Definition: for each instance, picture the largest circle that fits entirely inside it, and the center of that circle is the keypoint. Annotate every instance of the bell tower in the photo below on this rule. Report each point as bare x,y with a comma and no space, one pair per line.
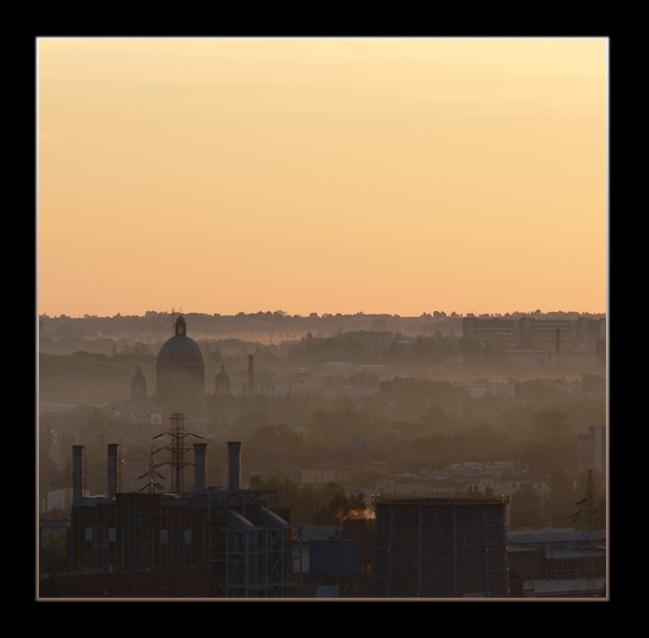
181,327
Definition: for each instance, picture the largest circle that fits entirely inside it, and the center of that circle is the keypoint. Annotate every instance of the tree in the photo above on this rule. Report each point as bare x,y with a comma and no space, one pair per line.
551,420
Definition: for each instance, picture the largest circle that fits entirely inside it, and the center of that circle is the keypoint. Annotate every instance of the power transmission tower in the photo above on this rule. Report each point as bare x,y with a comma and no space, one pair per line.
152,485
589,503
177,451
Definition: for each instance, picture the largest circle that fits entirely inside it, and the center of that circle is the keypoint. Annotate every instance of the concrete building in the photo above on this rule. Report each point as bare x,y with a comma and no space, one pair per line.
493,330
530,332
544,562
58,500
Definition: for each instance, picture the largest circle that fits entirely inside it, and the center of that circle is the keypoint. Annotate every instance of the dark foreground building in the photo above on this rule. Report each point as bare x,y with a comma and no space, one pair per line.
440,546
229,538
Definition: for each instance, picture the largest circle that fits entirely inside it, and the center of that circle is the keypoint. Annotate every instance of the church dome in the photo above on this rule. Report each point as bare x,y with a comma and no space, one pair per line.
180,350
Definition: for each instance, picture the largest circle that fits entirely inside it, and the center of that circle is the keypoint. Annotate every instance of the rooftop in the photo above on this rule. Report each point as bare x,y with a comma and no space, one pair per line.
440,499
568,586
553,535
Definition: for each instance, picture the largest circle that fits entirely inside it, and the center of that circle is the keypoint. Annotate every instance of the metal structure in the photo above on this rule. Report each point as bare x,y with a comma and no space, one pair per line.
200,466
177,449
113,470
440,546
78,472
589,502
152,474
234,465
259,562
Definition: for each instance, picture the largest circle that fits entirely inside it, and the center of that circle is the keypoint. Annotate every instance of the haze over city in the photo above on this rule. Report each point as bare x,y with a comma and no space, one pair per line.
322,318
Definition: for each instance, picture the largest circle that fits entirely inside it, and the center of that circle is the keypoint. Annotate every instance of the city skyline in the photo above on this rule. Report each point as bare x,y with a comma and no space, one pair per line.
319,175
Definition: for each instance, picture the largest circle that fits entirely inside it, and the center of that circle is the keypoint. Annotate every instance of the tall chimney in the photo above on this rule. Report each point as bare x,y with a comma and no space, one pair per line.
557,341
199,466
251,375
234,465
78,474
113,470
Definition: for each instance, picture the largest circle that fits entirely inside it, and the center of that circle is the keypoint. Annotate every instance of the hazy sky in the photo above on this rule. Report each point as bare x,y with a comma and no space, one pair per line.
326,175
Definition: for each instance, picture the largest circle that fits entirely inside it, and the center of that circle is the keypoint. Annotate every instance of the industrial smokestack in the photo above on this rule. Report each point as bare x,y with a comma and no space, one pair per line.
113,470
234,465
199,466
78,473
557,341
251,375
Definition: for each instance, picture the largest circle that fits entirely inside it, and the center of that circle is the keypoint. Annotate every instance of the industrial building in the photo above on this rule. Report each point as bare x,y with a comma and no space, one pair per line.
440,546
233,537
557,562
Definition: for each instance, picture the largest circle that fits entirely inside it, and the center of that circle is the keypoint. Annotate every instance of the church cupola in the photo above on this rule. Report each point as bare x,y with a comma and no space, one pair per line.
181,327
222,382
138,385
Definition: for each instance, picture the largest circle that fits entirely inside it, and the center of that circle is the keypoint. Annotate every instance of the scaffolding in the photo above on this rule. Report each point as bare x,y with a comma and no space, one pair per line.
152,474
260,563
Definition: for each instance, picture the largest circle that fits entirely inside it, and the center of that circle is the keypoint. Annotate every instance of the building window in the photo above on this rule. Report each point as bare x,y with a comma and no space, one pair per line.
164,536
112,535
187,536
88,535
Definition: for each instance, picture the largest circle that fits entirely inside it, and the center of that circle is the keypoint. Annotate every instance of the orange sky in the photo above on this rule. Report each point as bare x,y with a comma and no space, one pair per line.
322,175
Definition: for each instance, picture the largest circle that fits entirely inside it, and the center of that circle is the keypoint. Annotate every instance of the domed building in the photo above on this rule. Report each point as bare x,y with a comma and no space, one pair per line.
180,372
222,383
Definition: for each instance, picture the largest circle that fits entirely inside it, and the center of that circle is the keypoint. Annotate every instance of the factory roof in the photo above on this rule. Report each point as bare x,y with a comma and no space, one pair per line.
569,586
441,499
573,554
319,533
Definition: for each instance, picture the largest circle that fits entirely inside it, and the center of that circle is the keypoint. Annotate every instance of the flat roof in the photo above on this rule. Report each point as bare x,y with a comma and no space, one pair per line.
573,585
441,499
552,535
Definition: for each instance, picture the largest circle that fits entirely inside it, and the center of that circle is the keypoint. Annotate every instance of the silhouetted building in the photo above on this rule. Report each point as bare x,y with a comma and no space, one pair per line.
440,546
529,332
138,385
222,383
233,537
180,372
545,562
